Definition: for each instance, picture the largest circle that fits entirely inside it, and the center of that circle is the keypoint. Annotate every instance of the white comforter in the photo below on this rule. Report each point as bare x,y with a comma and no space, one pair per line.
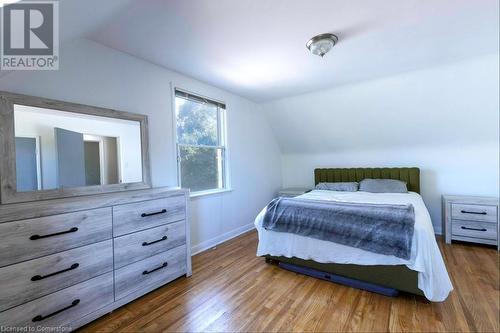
425,258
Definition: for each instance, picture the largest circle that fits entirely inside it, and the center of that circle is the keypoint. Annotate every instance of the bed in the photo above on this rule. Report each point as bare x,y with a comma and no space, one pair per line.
424,273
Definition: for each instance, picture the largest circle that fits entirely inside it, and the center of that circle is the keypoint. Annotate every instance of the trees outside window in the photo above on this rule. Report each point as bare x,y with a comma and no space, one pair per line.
200,130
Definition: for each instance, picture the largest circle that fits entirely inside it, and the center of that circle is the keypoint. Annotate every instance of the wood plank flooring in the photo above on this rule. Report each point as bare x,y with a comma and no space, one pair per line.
233,290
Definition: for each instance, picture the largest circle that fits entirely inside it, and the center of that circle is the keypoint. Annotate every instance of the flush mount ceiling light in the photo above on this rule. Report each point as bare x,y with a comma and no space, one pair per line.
321,44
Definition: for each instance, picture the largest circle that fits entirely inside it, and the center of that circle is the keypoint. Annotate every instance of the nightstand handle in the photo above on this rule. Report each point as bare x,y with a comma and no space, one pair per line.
477,213
475,229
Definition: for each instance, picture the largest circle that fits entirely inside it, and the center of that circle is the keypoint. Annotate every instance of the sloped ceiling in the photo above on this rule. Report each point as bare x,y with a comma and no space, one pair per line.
452,105
256,48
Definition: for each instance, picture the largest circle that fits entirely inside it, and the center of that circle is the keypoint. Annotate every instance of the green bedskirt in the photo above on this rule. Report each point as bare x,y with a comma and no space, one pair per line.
398,277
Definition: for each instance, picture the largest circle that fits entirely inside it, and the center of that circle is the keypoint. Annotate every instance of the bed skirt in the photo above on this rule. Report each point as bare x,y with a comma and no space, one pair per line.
398,277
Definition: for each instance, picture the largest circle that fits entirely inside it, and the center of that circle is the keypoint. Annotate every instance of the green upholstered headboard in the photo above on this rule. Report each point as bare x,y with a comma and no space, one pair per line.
332,175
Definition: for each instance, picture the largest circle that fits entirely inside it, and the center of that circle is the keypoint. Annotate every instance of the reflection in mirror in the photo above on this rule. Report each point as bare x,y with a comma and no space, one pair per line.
58,149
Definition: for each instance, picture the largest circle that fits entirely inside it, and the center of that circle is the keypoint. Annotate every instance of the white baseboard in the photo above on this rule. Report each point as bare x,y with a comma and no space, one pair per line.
195,249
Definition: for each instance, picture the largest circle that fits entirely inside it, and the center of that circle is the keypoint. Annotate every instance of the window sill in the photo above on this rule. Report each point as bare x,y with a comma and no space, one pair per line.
208,193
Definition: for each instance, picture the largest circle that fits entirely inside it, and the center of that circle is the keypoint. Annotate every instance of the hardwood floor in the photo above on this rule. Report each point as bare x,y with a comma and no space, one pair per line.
233,290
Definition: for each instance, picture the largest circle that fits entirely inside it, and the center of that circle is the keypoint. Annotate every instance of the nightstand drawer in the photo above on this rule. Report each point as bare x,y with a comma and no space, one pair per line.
483,213
474,229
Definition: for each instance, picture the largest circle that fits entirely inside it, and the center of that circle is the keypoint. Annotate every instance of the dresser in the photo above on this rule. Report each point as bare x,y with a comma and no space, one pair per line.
471,219
66,262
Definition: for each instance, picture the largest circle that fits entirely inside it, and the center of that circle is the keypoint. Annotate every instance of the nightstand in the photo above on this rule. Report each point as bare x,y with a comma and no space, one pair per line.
292,191
471,219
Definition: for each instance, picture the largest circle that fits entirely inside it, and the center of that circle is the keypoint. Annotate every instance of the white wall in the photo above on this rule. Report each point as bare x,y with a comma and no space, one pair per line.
444,120
96,75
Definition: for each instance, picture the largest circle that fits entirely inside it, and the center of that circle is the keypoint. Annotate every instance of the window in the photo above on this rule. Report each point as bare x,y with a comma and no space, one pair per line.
201,146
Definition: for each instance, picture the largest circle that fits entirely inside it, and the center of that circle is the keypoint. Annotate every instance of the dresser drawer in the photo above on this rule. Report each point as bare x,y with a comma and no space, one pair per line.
474,229
33,238
159,269
143,244
484,213
39,277
147,214
62,307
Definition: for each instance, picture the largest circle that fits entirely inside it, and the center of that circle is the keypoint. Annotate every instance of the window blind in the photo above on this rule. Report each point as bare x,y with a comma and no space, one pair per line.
198,99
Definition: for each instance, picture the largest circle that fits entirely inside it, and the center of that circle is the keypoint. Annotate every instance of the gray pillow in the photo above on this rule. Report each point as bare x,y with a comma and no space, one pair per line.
382,186
345,187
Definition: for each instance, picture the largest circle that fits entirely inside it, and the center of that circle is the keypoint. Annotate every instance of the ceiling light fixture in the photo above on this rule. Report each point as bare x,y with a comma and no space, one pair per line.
321,44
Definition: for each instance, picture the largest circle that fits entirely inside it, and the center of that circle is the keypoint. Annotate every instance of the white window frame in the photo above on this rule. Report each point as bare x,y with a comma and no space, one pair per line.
222,144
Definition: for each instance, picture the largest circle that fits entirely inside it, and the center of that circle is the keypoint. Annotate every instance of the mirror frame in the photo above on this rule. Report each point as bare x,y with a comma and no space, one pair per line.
8,187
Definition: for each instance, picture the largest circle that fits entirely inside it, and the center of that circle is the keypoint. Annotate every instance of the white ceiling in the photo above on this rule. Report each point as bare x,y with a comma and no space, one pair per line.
79,18
256,48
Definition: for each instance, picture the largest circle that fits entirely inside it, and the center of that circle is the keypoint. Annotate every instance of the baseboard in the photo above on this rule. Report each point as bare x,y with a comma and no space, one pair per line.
195,249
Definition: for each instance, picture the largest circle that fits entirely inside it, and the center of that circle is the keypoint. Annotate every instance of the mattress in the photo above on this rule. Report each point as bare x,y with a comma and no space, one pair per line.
425,258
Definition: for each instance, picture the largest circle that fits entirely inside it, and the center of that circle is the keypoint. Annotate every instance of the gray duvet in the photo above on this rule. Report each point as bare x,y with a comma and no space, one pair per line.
380,228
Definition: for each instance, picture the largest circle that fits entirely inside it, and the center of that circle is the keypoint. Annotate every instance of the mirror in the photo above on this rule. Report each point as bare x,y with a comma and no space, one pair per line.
58,149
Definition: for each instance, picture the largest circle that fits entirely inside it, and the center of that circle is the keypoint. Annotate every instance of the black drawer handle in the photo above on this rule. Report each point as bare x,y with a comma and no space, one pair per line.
35,237
475,229
165,264
163,211
477,213
156,241
40,317
40,277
